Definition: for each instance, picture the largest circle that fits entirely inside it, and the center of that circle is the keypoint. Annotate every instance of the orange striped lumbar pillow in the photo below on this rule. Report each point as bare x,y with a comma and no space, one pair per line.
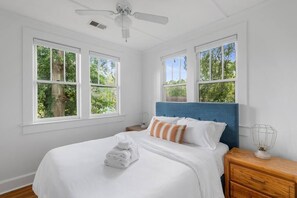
166,131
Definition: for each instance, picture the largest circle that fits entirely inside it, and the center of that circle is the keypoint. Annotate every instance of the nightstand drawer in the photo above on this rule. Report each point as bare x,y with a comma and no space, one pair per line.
239,191
261,182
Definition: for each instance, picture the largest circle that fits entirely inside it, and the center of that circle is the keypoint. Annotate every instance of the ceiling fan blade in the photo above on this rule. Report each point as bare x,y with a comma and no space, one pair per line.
151,18
94,12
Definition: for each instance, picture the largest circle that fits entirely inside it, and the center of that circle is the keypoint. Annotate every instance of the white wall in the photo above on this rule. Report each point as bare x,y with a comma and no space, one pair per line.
271,77
20,154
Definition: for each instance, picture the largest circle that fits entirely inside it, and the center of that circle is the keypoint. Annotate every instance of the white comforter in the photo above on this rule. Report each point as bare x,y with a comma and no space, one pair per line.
165,169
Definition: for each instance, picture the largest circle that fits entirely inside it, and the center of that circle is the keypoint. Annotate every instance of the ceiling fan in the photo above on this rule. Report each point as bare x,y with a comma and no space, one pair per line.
123,11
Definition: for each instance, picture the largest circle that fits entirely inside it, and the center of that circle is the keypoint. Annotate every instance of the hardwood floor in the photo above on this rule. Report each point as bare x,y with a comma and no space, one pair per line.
25,192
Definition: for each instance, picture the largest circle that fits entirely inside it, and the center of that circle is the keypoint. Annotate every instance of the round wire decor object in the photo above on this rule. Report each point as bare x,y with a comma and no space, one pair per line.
264,137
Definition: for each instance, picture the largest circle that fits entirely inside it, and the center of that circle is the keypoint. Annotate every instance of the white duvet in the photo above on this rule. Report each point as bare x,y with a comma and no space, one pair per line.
165,169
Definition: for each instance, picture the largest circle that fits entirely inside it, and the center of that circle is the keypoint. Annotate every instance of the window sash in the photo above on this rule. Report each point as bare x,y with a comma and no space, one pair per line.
35,109
116,72
172,86
64,48
164,85
54,45
208,47
105,56
179,71
115,86
116,112
35,63
216,43
217,82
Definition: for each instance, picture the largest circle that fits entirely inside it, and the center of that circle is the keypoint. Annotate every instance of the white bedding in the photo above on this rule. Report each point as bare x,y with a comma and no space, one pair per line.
165,169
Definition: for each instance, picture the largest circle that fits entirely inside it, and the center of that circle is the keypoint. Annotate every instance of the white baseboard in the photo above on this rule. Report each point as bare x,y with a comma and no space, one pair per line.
16,182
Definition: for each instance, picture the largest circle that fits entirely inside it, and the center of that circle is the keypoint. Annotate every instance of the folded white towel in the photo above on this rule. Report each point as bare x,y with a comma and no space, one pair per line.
116,163
124,141
122,158
123,155
119,153
119,163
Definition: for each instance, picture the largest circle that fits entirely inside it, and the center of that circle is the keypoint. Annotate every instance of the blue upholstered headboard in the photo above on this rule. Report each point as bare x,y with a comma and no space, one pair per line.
220,112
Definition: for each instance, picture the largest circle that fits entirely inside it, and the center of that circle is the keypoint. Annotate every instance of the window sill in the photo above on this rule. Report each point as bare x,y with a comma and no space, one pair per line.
31,128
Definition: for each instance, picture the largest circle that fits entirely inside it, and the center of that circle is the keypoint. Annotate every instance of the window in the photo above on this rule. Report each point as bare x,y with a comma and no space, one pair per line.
217,71
57,93
56,85
175,78
104,84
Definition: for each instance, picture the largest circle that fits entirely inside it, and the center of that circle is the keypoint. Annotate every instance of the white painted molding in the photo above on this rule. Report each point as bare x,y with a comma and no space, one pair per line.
244,130
16,183
31,128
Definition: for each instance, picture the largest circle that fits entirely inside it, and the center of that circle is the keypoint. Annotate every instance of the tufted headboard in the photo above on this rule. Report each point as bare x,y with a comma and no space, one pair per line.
220,112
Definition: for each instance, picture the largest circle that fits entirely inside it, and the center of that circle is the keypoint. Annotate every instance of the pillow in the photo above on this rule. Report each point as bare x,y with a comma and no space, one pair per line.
166,131
199,132
219,129
170,120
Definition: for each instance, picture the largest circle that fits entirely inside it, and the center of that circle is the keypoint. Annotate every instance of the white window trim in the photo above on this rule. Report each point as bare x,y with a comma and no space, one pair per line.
208,46
117,84
64,48
242,65
163,78
28,125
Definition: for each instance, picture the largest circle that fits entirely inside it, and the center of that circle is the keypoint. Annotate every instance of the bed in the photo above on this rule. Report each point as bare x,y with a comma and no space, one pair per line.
165,169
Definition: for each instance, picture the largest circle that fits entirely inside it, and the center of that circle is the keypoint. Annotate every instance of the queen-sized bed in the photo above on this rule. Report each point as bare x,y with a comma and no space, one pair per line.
164,169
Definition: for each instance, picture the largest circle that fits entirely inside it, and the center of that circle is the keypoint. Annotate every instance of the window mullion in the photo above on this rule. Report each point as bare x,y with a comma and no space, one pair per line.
180,69
223,61
51,64
64,66
172,72
210,73
98,70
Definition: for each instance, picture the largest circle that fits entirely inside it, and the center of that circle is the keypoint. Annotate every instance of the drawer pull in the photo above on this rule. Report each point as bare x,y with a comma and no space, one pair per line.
258,180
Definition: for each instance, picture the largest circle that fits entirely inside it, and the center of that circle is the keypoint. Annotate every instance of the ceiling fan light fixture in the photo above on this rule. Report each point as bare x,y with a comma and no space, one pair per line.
125,34
123,11
123,21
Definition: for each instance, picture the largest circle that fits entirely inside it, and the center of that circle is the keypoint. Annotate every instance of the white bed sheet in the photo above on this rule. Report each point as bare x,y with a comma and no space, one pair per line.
165,169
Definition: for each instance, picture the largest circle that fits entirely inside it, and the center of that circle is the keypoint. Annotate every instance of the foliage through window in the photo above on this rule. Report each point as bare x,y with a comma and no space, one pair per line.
175,78
55,81
104,84
217,73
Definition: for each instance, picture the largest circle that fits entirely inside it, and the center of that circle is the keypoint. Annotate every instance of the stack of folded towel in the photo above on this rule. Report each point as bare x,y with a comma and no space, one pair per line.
123,154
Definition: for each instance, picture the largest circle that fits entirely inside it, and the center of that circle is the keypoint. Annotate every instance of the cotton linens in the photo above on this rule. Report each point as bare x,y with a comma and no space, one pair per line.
164,169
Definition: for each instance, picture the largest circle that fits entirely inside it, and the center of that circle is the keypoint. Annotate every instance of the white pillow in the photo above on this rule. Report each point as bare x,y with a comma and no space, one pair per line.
199,132
219,129
170,120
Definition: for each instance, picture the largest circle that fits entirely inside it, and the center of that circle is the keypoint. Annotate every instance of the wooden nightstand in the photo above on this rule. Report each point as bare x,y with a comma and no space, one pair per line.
248,176
135,128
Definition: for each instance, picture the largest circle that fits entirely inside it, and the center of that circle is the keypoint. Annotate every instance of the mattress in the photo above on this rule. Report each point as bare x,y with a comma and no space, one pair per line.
164,169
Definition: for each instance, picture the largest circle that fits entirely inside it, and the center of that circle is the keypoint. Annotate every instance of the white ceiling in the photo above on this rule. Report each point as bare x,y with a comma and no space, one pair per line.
184,16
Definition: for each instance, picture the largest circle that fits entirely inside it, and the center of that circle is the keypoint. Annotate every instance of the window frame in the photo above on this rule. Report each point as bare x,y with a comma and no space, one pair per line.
52,45
163,81
208,47
116,86
28,125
